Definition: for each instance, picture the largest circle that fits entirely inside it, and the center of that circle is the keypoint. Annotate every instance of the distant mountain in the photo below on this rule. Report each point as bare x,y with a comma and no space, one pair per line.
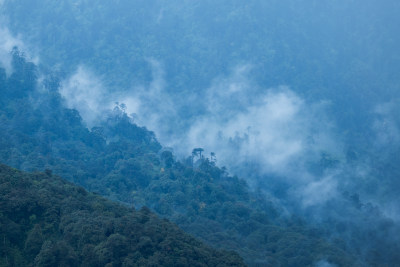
342,51
46,221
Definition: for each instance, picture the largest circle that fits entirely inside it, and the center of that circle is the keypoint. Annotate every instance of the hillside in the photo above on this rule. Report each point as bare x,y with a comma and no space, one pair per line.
267,127
46,221
125,162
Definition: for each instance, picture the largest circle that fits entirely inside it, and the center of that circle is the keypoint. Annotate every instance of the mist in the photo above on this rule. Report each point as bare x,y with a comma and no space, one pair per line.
84,92
301,100
272,131
10,41
386,124
7,43
275,139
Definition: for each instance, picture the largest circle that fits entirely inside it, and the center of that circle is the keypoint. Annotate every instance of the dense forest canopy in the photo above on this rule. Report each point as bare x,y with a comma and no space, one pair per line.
49,222
299,99
125,162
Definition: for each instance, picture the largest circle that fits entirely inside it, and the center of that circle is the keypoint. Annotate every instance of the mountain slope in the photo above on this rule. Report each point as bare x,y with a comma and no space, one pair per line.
124,162
202,71
46,221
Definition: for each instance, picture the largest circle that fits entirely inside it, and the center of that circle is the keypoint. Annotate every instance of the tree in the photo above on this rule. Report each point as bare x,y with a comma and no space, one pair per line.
213,158
167,158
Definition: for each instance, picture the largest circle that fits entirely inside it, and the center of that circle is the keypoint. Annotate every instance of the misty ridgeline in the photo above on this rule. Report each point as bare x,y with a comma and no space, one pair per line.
211,133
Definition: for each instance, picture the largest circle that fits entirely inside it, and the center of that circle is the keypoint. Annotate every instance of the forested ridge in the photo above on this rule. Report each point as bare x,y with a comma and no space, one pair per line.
267,127
125,162
46,221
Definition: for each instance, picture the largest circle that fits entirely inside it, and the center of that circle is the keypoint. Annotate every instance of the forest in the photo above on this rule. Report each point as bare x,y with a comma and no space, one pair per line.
267,128
47,221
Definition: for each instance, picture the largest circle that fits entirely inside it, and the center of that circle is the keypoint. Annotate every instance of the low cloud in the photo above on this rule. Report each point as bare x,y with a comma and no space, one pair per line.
7,43
266,136
275,130
151,105
318,192
387,123
270,131
85,92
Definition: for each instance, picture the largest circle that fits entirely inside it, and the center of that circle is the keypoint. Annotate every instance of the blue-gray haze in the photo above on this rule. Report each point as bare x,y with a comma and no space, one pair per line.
301,98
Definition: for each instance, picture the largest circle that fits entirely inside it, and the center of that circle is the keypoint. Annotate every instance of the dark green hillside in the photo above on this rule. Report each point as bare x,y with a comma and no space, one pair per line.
46,221
124,162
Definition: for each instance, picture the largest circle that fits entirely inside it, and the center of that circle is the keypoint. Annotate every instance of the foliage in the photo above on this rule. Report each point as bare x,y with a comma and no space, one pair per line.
345,52
46,221
124,162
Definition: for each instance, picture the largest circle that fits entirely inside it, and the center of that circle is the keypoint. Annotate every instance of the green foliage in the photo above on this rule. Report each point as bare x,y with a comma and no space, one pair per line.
124,162
46,221
343,51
